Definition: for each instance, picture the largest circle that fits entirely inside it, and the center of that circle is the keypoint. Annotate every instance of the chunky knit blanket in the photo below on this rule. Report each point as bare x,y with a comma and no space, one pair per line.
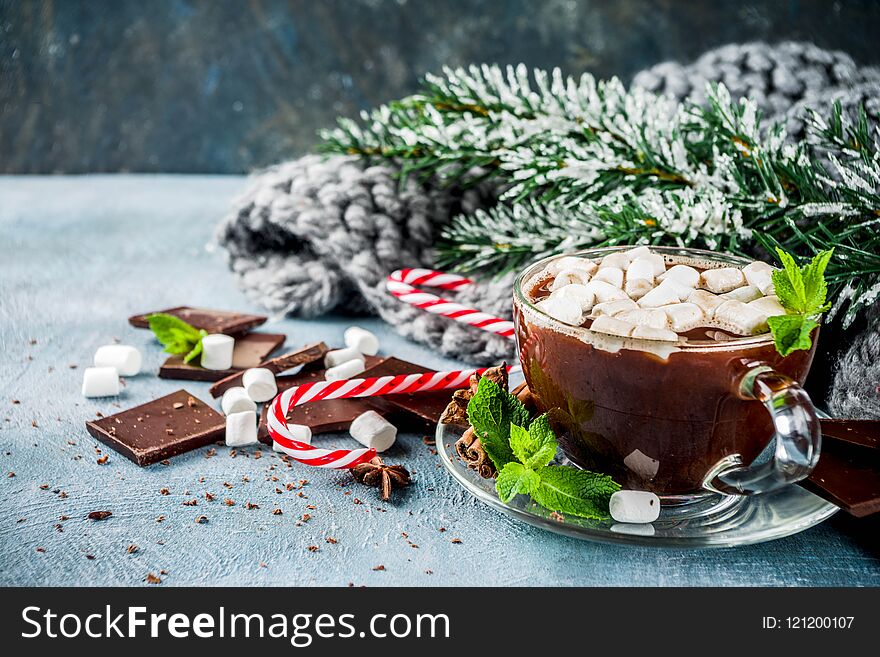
316,234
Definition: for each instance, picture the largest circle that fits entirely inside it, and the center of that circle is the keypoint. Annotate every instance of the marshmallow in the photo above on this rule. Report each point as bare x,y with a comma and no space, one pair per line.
611,275
570,277
662,295
217,351
567,311
619,260
651,333
604,291
638,252
340,356
770,306
612,326
236,400
299,432
241,428
640,268
259,383
100,382
372,430
707,301
614,307
684,316
361,339
657,262
745,294
644,317
722,280
578,294
642,464
737,317
760,275
344,370
572,262
636,288
634,506
126,360
683,274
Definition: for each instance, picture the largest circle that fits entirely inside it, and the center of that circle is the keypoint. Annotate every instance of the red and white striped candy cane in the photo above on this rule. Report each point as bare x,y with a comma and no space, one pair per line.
369,387
402,282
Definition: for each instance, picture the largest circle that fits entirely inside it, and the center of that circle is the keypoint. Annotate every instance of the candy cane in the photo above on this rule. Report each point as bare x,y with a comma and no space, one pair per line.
369,387
401,284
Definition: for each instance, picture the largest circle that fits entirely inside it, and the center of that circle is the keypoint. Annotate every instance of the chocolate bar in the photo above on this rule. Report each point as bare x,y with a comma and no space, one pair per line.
250,350
323,416
847,475
160,429
419,410
857,432
308,354
213,321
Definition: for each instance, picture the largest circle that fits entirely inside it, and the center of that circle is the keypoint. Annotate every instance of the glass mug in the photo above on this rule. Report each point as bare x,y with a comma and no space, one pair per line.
683,420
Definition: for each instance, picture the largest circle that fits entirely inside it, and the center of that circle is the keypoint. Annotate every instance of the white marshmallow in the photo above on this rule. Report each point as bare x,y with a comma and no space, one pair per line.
572,262
636,288
745,294
570,277
567,311
770,306
642,464
657,262
372,430
241,428
739,318
722,280
344,370
644,317
611,275
683,274
126,360
217,351
684,316
259,383
662,295
651,333
339,356
299,432
614,307
579,294
612,326
361,339
236,400
634,506
760,274
100,382
681,290
618,260
640,268
638,252
707,301
604,291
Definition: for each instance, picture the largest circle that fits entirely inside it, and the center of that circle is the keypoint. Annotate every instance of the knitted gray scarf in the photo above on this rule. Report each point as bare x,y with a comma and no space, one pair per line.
316,234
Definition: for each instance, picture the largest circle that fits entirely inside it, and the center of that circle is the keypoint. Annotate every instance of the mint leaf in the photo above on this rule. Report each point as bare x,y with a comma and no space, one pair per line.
793,284
573,491
544,439
193,353
490,411
177,336
791,332
815,287
521,443
513,479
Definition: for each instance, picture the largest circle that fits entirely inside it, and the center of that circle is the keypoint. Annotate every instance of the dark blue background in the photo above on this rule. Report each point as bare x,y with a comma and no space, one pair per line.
225,86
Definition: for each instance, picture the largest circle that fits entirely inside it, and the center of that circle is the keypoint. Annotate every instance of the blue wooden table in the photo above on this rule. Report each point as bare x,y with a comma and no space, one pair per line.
77,257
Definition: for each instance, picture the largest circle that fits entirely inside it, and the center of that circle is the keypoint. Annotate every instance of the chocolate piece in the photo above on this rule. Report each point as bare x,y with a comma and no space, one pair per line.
847,475
857,432
418,410
323,416
159,429
213,321
308,354
250,350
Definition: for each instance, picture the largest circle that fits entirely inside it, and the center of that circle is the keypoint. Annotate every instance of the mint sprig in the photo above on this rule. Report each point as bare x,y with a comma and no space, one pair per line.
802,292
177,336
522,457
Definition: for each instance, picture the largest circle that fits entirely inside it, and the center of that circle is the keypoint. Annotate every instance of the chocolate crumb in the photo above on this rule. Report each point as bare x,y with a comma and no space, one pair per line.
313,548
209,497
228,502
11,475
99,515
251,505
202,520
41,549
555,515
192,502
160,519
131,549
90,557
331,540
277,512
456,541
379,567
103,459
152,579
15,401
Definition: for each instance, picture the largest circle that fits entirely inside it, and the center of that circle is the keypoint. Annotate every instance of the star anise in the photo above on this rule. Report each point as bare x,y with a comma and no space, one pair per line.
386,477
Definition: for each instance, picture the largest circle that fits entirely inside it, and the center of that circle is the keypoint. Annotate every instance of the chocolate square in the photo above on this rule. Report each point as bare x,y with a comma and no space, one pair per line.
213,321
250,350
847,475
160,429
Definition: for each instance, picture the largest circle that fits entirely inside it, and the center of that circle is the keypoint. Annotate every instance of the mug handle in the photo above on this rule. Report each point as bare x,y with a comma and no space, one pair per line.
798,435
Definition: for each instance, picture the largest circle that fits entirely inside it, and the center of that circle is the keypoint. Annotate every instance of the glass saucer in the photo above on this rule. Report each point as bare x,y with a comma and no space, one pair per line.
712,521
